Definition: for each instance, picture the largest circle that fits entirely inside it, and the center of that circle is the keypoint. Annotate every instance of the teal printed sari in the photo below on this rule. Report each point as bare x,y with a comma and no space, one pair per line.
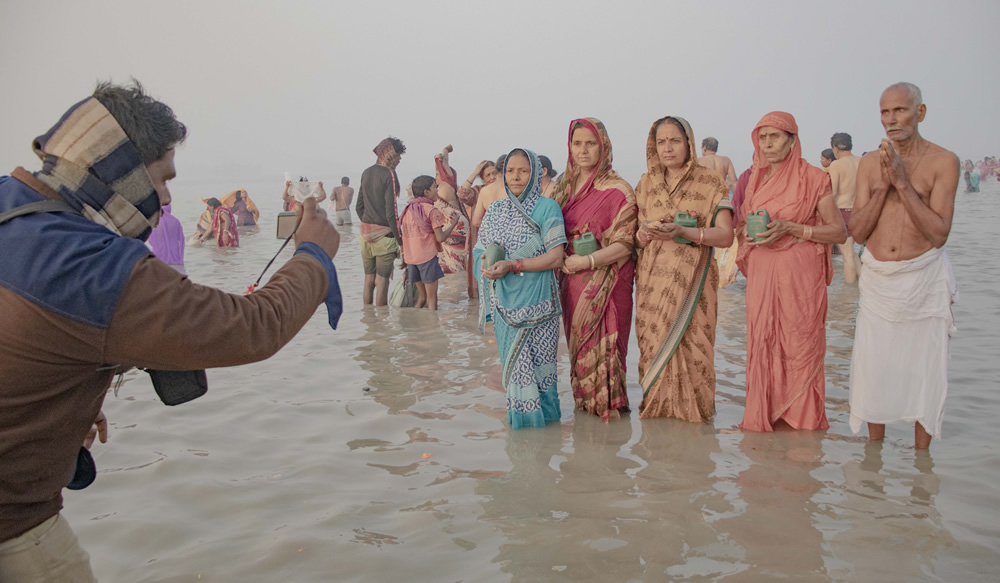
524,308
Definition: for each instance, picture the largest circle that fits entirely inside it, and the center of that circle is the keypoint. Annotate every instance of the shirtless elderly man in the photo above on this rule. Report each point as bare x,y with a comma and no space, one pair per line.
903,211
722,164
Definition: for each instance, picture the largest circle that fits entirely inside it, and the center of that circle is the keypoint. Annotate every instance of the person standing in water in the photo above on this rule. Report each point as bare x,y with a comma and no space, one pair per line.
713,161
341,201
903,212
376,208
423,229
843,177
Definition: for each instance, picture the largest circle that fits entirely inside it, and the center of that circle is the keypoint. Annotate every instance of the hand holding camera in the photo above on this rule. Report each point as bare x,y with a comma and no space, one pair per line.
314,227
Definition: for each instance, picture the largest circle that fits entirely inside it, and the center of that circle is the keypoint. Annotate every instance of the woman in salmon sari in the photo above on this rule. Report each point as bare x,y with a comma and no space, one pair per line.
596,289
787,273
677,282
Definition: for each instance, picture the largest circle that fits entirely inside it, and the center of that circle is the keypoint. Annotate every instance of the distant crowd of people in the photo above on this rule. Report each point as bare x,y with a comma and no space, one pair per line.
976,173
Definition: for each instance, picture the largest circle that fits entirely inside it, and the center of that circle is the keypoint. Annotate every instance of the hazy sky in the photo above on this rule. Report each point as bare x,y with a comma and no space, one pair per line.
311,87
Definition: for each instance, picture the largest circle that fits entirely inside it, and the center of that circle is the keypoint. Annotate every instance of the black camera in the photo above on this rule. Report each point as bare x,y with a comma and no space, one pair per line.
178,386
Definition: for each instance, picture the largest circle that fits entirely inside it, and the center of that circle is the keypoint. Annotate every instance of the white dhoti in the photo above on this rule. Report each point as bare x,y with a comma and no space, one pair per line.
899,367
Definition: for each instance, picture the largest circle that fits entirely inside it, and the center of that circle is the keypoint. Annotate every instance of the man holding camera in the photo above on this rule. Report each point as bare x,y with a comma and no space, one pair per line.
84,299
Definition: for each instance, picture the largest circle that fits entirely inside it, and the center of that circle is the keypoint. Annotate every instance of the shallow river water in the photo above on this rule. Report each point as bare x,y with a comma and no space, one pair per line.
380,452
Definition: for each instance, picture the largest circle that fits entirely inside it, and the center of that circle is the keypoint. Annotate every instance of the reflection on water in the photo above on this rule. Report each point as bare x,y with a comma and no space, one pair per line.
889,505
380,452
777,490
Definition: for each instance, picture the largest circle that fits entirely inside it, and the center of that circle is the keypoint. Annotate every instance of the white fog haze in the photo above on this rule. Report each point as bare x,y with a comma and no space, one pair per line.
311,87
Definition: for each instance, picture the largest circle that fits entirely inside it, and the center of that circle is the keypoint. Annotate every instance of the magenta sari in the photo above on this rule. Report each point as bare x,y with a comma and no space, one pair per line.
597,303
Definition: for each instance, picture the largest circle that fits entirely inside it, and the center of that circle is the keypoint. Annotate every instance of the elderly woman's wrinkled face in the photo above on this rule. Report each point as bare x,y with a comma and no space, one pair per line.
775,144
518,173
671,146
585,149
489,174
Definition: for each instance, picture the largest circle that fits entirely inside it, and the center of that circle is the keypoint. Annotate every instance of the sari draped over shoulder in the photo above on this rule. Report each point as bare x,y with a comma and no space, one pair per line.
524,308
676,289
225,236
454,249
597,304
786,293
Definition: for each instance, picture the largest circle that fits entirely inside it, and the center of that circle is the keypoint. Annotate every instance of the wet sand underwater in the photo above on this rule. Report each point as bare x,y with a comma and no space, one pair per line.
380,452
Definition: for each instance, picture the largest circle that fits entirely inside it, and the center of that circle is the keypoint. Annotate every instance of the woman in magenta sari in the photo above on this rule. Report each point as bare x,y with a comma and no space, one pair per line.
223,225
596,288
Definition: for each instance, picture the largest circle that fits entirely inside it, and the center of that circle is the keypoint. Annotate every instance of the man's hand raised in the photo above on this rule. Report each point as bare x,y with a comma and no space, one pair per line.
314,227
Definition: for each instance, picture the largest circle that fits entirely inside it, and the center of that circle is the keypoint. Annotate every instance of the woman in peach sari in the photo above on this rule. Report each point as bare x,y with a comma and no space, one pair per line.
787,273
596,289
676,283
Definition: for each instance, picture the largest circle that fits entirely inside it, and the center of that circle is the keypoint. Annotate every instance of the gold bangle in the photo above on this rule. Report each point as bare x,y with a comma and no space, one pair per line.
701,235
591,262
807,233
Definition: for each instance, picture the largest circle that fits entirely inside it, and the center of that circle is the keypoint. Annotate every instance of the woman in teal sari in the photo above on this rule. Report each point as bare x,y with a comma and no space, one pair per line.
520,293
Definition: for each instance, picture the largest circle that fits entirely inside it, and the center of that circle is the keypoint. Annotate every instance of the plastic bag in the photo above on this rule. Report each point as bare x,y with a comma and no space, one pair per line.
404,295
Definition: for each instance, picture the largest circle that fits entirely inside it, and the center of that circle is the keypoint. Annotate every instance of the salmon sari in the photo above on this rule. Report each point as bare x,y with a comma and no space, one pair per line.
786,293
676,291
597,304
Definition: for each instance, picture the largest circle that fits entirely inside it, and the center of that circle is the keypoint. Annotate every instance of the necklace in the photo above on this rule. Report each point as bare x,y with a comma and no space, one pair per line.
927,146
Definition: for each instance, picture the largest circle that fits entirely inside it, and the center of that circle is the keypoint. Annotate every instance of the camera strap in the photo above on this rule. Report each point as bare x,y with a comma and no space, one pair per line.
42,206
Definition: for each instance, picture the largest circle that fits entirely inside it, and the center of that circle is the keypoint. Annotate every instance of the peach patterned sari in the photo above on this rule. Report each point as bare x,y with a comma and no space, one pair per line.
676,287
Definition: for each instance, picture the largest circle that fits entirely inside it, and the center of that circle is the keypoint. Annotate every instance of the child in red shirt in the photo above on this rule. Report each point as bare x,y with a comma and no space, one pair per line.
422,229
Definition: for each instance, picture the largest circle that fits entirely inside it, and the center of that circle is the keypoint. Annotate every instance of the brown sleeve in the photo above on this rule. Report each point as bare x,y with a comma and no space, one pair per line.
165,321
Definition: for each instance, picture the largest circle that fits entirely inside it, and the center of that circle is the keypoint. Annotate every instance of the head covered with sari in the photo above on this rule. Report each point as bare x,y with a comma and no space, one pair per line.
89,160
525,202
794,175
602,177
676,286
526,225
597,302
786,297
656,171
792,191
